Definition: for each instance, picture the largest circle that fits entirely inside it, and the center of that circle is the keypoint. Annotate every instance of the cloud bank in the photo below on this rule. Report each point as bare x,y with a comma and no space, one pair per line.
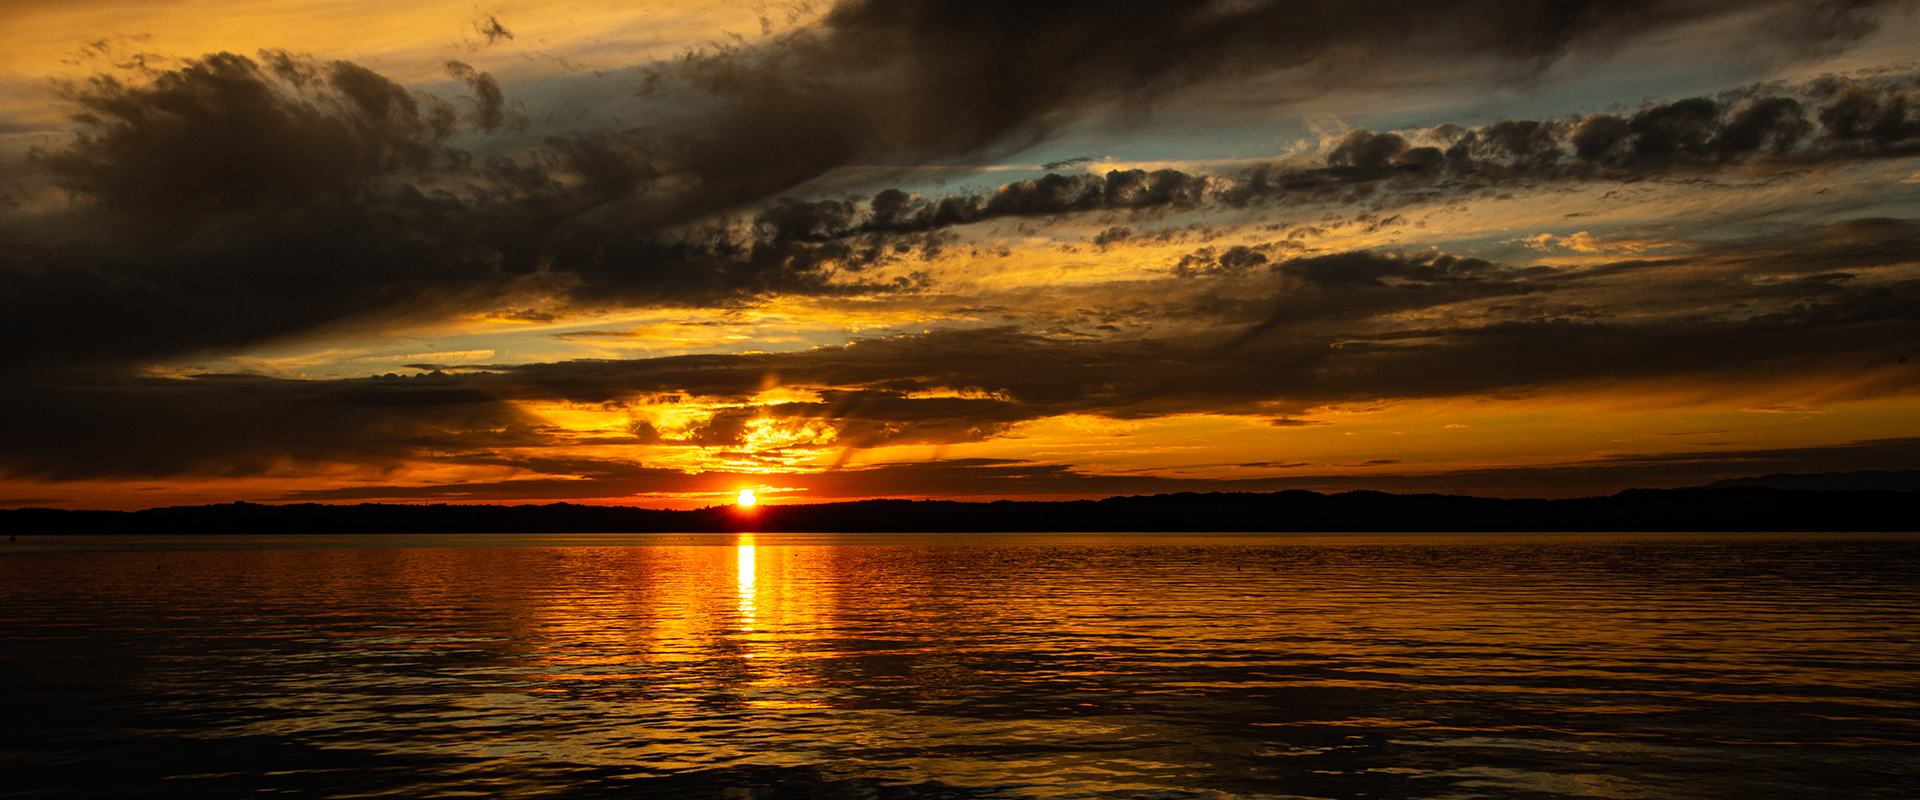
237,201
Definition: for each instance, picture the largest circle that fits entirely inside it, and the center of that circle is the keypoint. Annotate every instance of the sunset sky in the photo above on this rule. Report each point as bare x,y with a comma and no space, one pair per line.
656,253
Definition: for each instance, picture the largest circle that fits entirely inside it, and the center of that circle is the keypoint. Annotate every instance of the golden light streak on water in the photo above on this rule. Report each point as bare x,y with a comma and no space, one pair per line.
746,584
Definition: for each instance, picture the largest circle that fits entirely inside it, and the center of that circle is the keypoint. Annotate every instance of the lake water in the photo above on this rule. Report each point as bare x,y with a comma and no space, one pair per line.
1056,666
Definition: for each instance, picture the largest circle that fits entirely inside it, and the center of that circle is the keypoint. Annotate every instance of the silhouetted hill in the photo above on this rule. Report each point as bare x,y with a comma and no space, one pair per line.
1704,509
1871,480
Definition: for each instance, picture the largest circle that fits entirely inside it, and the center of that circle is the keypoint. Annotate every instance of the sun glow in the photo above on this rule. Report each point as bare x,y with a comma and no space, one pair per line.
746,498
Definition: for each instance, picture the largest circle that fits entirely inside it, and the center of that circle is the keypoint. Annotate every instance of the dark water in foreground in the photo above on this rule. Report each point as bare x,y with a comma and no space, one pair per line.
1699,666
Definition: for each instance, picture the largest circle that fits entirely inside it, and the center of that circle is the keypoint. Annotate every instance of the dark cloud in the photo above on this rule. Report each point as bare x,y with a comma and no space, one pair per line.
1222,262
965,75
1112,236
221,133
1681,139
1071,162
492,30
1771,123
1366,151
1599,136
1366,269
1870,113
490,111
1700,132
233,201
237,425
893,211
1684,137
1674,129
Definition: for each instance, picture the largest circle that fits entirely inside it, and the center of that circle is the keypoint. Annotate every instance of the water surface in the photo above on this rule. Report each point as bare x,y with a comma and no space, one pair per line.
1044,666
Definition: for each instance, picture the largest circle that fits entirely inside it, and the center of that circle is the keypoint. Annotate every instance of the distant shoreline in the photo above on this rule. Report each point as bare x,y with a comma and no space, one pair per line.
1726,509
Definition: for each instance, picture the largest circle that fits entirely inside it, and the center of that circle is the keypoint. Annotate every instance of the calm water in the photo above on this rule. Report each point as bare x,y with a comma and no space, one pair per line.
1004,667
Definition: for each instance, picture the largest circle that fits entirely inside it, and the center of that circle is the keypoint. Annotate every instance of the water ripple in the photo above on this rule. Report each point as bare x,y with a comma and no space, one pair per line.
1036,667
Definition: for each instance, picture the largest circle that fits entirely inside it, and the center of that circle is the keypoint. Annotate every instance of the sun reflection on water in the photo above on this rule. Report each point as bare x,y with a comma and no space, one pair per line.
746,584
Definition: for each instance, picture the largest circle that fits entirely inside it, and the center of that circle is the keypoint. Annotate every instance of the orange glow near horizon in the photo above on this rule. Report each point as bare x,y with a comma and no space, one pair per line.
1432,438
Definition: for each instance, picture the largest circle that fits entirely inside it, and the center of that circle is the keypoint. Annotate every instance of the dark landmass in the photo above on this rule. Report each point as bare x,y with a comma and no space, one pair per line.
1735,508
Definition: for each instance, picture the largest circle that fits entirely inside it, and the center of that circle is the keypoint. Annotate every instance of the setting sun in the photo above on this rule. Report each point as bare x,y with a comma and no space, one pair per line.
746,498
